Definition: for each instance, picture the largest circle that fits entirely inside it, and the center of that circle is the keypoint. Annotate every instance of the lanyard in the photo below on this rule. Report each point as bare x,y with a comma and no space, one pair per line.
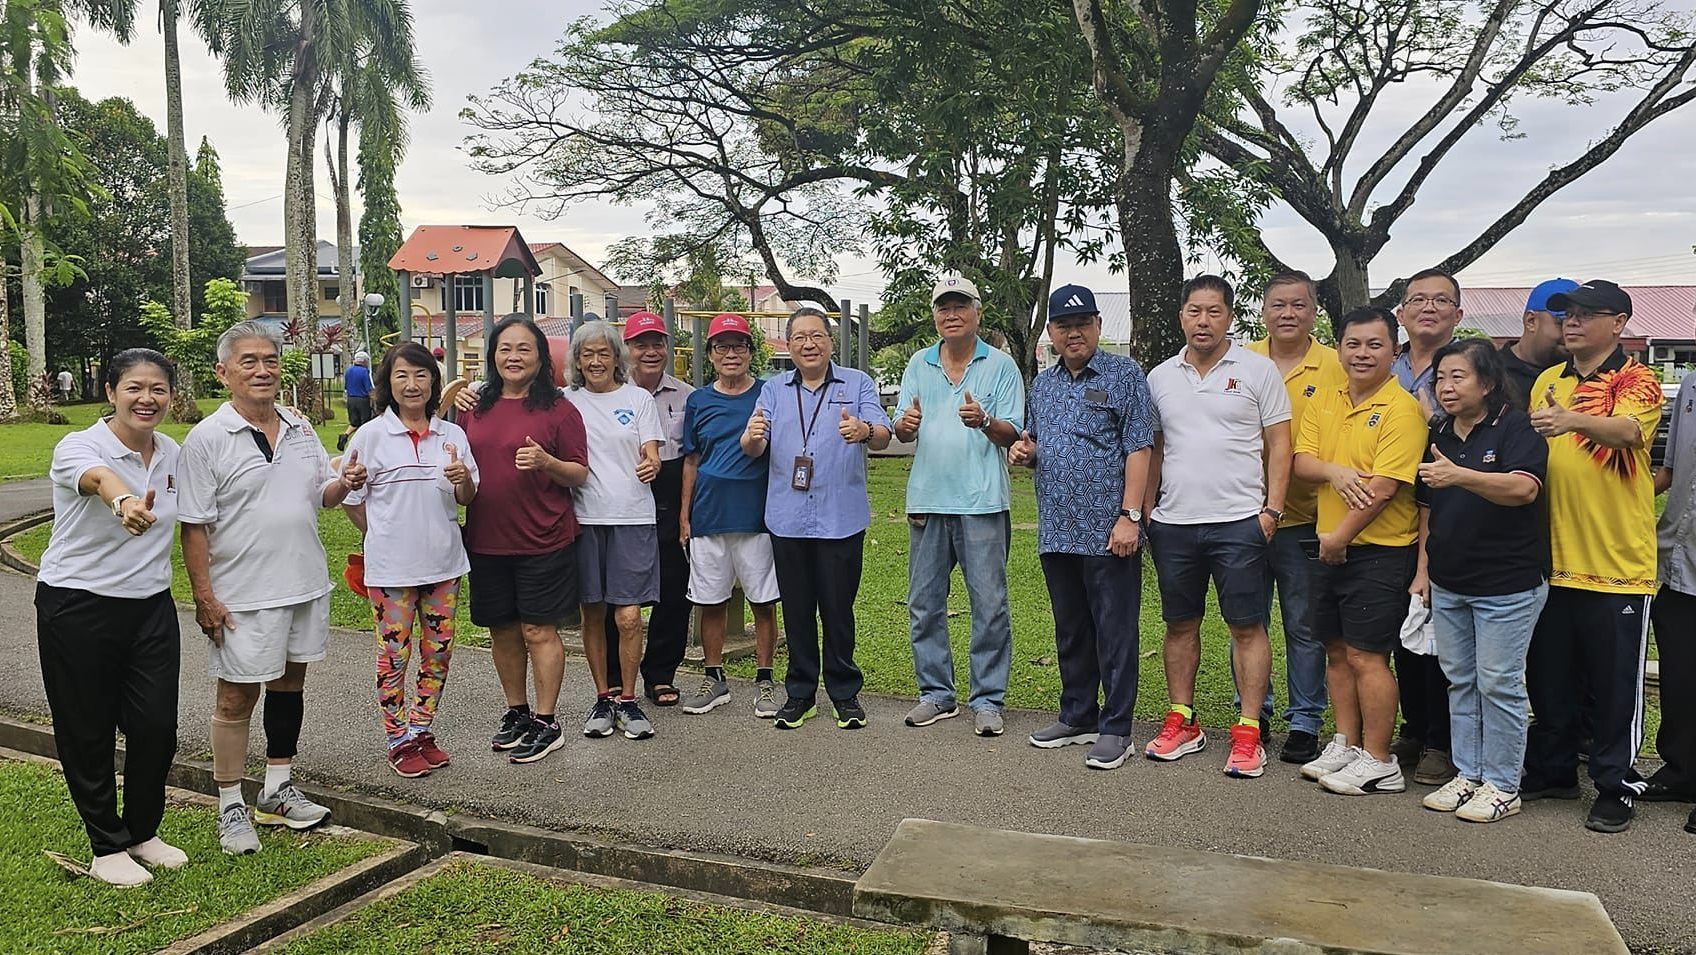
800,414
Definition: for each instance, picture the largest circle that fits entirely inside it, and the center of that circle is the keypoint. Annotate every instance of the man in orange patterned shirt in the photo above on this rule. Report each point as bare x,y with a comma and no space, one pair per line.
1599,411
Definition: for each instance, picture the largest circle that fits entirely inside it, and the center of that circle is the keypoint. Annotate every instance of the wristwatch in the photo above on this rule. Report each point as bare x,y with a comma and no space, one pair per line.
118,503
1134,513
1277,515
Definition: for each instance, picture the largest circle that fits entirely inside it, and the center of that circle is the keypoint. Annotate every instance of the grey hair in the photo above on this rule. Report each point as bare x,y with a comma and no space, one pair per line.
242,331
803,312
597,332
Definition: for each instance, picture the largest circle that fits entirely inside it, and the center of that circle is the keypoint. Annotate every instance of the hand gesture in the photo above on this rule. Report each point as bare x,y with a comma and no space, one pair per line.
972,414
465,399
353,473
531,457
850,428
1023,451
1351,486
1552,419
758,426
136,514
456,471
1440,471
213,618
1332,550
1125,537
907,426
647,466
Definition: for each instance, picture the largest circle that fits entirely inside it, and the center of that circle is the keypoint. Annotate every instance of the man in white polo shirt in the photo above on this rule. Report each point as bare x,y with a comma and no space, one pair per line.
253,477
1221,466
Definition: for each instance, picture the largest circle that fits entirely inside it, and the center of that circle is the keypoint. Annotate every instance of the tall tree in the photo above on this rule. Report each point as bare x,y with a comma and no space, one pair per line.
379,221
213,249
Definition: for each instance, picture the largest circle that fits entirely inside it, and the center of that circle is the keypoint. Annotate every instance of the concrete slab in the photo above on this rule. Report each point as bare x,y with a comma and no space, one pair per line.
1114,895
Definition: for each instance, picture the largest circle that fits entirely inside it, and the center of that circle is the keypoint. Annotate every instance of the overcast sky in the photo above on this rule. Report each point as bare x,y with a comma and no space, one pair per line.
1634,219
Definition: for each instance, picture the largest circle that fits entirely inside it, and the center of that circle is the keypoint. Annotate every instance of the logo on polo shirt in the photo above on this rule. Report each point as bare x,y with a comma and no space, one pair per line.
1490,456
1232,387
170,484
624,415
1372,422
1309,390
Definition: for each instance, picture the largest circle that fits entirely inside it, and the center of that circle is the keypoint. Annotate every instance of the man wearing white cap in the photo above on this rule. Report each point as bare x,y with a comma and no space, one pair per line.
356,382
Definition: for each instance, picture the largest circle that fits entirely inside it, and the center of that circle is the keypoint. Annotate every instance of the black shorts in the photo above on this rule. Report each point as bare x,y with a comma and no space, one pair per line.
1363,601
538,589
1232,554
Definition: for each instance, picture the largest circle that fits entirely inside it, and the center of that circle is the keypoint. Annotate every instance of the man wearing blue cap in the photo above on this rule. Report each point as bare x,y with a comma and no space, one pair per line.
1089,434
1540,346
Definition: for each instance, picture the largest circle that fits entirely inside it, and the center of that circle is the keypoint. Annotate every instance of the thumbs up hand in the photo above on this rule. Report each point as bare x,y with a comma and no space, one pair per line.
455,470
136,513
1023,451
907,425
1552,419
531,457
971,413
1440,471
758,427
852,429
353,473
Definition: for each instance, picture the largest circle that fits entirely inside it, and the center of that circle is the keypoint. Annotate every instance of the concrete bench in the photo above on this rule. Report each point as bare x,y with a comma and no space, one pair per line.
995,891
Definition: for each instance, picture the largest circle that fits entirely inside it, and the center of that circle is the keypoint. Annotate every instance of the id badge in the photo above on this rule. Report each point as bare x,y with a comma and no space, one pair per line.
801,475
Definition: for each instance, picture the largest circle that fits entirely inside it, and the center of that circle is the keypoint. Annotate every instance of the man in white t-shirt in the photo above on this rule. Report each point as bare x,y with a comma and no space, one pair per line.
1221,466
66,383
253,477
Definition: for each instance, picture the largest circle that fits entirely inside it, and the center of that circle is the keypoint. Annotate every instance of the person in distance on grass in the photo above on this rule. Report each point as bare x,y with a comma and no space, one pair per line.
1361,444
421,470
1483,569
1674,610
356,386
723,522
253,477
1217,478
1599,411
521,529
1088,436
816,423
1288,310
105,623
958,501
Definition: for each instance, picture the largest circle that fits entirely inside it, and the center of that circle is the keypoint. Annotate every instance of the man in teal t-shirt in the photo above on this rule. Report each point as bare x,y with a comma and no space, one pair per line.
957,503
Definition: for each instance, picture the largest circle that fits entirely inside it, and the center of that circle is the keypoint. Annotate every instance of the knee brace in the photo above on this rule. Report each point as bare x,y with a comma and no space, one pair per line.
229,750
284,710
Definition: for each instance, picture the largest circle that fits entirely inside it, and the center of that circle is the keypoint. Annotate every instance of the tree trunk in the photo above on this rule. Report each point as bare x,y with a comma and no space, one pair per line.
1348,287
183,407
34,258
1154,262
8,401
348,300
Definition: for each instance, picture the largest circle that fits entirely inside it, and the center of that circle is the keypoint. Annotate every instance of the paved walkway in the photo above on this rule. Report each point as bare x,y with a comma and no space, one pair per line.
20,498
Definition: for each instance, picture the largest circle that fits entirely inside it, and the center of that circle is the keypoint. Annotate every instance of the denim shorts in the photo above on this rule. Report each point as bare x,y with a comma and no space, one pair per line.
1232,554
1363,600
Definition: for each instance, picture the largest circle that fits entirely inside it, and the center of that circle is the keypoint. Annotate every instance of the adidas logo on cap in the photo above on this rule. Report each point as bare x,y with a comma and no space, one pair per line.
1074,301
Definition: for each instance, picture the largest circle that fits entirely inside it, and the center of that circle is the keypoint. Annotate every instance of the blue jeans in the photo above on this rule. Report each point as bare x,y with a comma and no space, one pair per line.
1482,643
978,544
1304,655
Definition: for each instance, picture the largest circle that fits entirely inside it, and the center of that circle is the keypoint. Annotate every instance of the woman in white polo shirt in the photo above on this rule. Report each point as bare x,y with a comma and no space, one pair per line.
105,623
420,470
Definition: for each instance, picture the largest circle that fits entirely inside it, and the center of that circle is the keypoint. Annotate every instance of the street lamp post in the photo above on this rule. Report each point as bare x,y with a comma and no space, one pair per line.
373,301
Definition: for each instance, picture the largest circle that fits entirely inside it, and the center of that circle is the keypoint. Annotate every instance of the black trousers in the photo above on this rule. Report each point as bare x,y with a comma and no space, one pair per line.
1674,615
818,581
358,410
668,621
1603,636
110,664
1097,602
1424,692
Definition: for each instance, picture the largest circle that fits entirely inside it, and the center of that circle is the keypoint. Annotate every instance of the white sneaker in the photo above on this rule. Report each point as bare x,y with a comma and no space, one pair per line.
1489,804
1338,754
1451,796
120,870
1366,776
158,853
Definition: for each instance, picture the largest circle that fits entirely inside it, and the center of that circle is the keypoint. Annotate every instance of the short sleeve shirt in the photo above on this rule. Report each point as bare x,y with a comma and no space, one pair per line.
670,401
1319,368
1419,384
1213,460
1676,532
618,423
1085,426
411,514
521,512
356,381
956,469
1385,436
260,514
730,487
1602,500
89,549
835,504
1477,547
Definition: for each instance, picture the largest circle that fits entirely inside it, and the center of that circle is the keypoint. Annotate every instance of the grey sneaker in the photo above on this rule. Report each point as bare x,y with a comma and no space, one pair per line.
765,700
633,721
236,833
599,723
288,806
986,721
1058,734
1109,752
712,694
927,713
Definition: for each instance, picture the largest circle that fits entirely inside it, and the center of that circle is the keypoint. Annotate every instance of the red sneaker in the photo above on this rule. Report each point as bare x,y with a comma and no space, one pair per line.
1177,738
430,751
1248,757
406,760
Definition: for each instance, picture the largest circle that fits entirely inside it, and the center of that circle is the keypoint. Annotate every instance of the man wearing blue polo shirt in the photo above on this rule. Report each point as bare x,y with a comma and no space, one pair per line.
957,503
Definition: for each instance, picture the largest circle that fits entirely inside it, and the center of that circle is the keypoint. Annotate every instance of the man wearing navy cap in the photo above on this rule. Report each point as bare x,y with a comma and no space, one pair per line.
1539,346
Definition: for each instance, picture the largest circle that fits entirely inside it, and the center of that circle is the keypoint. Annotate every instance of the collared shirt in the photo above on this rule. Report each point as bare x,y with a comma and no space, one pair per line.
1676,533
1418,385
1085,426
956,469
261,514
356,381
412,532
1319,368
1477,547
835,504
1522,375
1385,436
1213,454
670,400
89,549
1602,500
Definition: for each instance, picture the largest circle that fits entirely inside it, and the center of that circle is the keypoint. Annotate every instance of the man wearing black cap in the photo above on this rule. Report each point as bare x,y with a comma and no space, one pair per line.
1540,343
1598,411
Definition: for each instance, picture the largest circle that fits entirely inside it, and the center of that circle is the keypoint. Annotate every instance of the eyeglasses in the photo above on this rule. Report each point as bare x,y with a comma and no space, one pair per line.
731,348
804,337
1418,302
1576,315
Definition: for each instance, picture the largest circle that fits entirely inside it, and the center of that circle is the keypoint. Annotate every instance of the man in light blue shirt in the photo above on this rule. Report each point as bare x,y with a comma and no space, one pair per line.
957,503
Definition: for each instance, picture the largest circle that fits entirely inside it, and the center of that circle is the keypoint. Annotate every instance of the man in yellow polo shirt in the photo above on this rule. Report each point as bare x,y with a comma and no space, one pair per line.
1599,411
1288,310
1361,444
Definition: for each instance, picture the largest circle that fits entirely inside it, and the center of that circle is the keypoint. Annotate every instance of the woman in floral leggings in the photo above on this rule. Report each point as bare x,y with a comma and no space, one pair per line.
421,471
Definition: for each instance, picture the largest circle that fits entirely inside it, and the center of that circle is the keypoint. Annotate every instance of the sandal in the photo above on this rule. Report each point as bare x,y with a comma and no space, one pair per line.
663,694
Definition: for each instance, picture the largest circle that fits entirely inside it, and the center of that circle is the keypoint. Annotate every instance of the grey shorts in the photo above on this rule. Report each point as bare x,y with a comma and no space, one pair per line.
618,564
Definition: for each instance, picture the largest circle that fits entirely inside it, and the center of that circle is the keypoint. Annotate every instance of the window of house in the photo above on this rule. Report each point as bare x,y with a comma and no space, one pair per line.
276,296
332,293
467,293
541,300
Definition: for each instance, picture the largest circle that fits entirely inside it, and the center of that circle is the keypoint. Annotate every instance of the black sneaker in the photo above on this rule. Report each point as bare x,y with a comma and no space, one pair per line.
513,727
1265,731
1532,789
542,739
1300,747
1609,814
850,715
793,713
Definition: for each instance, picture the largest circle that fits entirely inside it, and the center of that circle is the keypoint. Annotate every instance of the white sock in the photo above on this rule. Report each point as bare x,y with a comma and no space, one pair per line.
276,776
229,796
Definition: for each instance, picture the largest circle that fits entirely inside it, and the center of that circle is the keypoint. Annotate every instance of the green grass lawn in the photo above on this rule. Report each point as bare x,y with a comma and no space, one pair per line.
473,908
44,908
